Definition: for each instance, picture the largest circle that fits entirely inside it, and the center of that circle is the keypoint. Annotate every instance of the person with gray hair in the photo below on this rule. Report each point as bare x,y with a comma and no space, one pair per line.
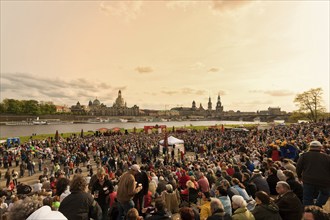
241,212
217,210
313,169
288,203
24,208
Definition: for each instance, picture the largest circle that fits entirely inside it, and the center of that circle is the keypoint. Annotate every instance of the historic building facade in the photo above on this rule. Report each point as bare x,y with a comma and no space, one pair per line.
119,108
200,111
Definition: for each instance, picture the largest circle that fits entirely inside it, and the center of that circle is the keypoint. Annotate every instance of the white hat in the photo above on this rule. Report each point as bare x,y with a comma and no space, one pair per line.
315,144
45,213
135,167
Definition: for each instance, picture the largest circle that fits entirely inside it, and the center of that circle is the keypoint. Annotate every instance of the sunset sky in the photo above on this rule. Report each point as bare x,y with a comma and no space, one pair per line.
164,54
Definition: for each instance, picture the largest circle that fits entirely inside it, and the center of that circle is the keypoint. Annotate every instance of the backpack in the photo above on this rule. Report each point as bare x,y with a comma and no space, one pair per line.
24,189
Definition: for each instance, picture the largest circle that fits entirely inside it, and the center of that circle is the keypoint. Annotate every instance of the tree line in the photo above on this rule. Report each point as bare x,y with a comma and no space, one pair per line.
29,107
310,107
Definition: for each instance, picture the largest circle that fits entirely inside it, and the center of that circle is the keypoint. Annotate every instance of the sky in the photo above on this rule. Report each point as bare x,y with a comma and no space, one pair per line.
165,54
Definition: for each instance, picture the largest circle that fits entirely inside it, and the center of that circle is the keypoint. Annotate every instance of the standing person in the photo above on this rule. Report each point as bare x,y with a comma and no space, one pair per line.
80,204
288,203
141,177
101,190
127,188
14,175
8,177
313,168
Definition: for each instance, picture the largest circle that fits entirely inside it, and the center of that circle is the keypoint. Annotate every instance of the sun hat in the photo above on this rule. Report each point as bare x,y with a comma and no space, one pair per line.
315,144
135,167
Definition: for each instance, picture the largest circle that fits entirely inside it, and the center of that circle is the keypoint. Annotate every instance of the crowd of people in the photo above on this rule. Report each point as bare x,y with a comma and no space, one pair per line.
279,172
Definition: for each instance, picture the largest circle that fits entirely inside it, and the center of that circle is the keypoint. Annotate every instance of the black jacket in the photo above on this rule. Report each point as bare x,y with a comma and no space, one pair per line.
266,212
314,168
78,205
290,206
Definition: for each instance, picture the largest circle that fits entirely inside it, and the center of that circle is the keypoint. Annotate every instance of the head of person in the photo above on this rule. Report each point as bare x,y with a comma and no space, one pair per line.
315,145
186,213
61,185
78,183
44,213
132,214
238,202
225,184
282,187
136,169
262,198
206,196
169,188
100,174
160,204
221,191
22,209
315,213
288,174
216,206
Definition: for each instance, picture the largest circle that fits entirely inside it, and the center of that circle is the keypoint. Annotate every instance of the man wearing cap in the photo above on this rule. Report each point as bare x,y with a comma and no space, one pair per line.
313,169
127,188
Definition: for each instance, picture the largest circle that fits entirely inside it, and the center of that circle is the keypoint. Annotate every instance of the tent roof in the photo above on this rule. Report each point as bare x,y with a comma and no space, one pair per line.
172,140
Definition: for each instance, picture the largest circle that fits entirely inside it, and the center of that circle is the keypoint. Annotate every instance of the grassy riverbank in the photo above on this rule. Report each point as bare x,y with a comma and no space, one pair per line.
25,139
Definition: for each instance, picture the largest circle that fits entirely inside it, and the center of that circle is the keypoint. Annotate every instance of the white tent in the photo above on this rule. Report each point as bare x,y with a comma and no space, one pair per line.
172,141
173,144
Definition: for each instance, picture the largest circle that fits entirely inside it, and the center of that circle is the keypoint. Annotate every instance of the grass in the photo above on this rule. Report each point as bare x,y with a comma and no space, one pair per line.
25,139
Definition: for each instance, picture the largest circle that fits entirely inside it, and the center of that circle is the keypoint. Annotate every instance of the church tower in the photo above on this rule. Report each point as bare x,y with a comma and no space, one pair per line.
219,107
193,107
209,104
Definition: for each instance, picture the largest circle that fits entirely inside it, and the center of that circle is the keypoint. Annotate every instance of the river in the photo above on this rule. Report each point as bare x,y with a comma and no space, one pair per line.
27,130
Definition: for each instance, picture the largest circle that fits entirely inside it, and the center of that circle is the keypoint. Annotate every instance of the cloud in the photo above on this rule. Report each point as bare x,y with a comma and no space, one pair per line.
213,69
169,92
221,92
144,69
227,5
181,4
279,93
129,10
26,86
274,92
197,66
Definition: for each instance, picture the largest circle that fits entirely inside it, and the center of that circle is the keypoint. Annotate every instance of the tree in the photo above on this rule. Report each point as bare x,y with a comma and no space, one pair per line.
310,102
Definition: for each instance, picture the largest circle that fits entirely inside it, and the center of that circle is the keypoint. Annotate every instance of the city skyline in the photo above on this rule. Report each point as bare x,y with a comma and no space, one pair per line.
164,54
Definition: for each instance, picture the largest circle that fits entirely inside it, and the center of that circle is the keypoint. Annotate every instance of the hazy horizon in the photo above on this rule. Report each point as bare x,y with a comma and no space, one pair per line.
165,54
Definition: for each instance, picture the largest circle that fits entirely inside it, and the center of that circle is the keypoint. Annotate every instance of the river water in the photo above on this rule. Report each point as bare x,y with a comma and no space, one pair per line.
27,130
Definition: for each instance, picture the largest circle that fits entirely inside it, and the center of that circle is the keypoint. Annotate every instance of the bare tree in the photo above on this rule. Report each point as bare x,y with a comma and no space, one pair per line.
310,102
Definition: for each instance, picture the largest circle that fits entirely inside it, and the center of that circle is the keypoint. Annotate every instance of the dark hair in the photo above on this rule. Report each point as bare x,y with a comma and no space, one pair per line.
317,212
78,183
159,204
187,213
246,175
273,170
207,195
237,182
61,185
263,197
222,191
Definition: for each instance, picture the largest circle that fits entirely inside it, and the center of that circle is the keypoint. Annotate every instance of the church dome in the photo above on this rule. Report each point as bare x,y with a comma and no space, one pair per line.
96,102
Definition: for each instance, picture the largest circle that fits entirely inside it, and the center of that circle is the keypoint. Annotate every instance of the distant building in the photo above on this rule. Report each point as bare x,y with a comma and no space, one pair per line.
62,109
194,111
78,109
119,108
